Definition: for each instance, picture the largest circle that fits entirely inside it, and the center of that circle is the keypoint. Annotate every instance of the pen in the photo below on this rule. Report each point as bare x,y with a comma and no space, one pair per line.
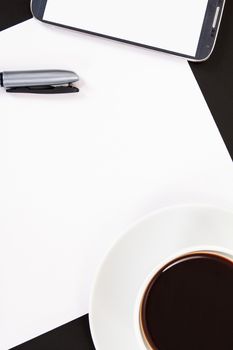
39,81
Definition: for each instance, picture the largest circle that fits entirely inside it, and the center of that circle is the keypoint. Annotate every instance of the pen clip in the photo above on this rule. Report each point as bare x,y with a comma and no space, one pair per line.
47,89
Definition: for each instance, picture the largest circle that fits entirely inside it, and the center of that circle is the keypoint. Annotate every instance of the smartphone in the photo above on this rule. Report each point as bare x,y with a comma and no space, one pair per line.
186,28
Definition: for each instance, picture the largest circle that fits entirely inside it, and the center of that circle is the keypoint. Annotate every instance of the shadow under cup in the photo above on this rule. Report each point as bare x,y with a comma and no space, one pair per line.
188,304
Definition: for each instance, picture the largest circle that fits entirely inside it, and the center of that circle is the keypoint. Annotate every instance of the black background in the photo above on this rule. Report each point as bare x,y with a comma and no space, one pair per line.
13,12
72,336
215,78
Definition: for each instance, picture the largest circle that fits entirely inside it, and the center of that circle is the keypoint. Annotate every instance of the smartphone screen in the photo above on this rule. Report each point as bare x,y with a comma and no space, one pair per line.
170,25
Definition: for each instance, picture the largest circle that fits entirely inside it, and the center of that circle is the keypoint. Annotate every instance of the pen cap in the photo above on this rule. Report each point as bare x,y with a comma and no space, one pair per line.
38,78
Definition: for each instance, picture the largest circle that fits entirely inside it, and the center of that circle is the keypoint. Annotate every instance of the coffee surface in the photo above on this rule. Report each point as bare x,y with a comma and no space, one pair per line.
189,305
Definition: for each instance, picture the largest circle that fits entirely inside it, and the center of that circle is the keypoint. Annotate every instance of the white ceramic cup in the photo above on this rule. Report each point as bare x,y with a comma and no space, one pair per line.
142,340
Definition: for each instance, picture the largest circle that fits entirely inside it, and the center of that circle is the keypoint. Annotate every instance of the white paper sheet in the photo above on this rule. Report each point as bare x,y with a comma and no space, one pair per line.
167,24
76,170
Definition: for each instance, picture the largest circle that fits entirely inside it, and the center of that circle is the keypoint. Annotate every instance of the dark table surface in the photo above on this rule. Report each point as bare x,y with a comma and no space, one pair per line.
215,78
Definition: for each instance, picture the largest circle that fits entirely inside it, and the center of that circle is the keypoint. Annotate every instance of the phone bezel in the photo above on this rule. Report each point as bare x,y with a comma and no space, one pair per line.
207,39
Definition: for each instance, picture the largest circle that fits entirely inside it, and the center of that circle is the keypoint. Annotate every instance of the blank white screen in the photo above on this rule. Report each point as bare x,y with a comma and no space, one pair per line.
173,25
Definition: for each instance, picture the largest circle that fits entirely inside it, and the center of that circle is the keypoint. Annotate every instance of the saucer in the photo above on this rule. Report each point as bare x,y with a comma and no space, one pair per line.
146,245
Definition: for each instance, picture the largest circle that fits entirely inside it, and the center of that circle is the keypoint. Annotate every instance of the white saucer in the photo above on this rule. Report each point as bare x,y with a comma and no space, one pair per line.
141,249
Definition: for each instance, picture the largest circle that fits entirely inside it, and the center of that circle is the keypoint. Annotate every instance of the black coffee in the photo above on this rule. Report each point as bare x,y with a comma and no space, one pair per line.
189,305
